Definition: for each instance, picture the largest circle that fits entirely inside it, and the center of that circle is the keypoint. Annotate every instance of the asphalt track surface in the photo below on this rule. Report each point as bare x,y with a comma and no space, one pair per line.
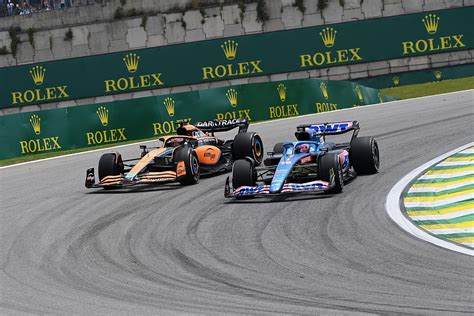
168,250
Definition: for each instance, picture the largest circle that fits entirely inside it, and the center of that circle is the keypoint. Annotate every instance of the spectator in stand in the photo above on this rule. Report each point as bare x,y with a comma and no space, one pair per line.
25,8
34,5
10,7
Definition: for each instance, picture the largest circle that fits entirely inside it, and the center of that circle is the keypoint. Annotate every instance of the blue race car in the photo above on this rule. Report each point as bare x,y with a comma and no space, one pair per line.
311,164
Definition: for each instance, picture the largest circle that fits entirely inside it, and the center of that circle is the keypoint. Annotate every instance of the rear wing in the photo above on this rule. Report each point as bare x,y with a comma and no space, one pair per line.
213,126
308,131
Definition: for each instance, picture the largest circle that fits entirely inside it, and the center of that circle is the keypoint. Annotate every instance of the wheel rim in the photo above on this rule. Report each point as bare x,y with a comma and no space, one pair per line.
341,178
257,149
375,155
194,165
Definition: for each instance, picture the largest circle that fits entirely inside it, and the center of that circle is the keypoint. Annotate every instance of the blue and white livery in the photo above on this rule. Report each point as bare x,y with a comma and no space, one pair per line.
310,164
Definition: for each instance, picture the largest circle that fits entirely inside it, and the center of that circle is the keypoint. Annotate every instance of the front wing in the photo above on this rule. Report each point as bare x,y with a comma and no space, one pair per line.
122,181
262,190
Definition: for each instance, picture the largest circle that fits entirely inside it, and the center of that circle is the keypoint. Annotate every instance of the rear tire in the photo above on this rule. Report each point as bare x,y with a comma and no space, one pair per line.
248,145
243,174
364,155
327,163
191,164
110,164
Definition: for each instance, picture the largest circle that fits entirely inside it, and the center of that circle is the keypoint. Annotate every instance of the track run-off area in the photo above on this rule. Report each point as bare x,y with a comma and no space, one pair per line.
173,249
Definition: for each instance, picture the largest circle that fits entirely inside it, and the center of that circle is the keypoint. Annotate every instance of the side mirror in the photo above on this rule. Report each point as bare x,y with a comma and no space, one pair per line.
144,150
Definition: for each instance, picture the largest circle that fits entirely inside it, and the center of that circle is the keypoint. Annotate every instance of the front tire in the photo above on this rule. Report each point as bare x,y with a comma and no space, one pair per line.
110,164
364,155
191,164
248,145
275,158
278,148
243,174
329,165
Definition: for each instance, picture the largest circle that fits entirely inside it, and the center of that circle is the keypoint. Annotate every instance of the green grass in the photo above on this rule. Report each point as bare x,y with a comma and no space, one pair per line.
430,88
403,92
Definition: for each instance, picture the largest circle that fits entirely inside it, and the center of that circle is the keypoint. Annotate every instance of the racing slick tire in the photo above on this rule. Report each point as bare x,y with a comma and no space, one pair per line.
248,145
191,163
110,164
364,155
278,148
275,158
243,174
327,163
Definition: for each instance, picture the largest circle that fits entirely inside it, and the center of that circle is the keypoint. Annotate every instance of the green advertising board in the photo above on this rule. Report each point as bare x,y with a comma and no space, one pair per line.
419,76
237,57
109,123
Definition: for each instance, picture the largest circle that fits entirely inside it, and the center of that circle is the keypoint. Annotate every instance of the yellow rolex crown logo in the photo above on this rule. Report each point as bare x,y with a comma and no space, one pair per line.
328,36
230,49
103,115
36,123
37,73
359,93
324,89
131,62
396,81
232,96
282,92
431,23
169,105
437,74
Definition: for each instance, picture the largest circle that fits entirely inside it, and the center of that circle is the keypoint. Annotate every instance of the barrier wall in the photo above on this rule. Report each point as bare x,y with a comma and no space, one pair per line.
118,121
420,76
238,57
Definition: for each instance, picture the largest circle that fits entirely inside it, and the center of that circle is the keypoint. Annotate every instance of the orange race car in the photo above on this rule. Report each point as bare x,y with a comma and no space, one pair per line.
182,157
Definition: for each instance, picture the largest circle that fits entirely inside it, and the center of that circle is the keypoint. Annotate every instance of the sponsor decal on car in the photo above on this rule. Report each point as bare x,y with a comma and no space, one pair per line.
181,169
331,127
218,123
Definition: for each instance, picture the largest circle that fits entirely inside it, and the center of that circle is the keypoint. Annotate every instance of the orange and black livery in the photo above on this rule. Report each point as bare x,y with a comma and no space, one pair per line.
183,157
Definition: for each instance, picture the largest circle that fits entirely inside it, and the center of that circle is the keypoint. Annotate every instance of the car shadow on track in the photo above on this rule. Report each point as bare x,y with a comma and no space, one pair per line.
287,198
141,188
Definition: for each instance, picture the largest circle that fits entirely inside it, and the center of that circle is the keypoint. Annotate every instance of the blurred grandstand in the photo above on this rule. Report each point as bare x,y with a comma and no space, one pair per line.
28,7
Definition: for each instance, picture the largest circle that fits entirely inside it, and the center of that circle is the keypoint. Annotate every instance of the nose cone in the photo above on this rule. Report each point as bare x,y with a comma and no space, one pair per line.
284,168
276,185
281,173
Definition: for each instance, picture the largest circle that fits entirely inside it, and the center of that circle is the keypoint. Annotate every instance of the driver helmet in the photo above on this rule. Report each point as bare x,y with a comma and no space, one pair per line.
175,142
302,148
